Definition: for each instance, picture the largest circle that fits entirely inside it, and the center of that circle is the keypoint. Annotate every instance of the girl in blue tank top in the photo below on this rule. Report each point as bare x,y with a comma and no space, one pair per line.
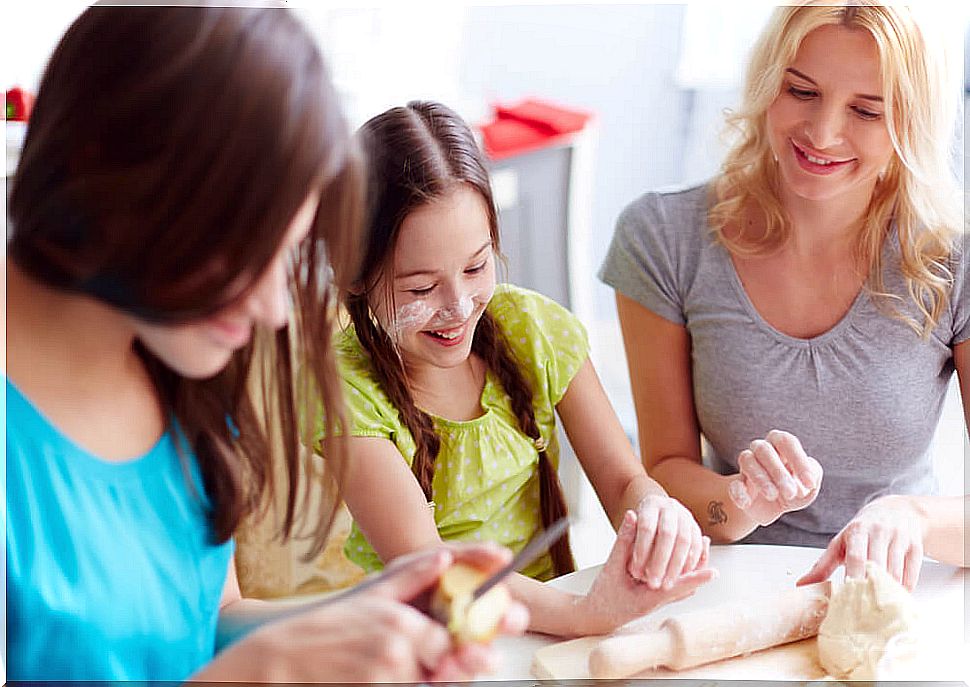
185,172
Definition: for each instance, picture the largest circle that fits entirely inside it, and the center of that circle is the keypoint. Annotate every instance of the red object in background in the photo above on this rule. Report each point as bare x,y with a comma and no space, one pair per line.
19,104
528,125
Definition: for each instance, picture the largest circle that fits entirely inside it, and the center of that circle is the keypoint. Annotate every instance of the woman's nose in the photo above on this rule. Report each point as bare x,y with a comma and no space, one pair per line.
824,126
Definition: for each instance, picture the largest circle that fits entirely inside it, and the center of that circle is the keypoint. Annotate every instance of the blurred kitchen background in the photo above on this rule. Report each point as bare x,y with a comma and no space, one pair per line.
655,77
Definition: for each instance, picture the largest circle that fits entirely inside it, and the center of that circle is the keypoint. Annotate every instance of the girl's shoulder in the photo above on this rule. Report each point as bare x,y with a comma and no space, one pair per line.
518,309
545,337
354,363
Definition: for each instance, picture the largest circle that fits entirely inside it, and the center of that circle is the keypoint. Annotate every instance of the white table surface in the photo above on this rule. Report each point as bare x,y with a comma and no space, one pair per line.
749,570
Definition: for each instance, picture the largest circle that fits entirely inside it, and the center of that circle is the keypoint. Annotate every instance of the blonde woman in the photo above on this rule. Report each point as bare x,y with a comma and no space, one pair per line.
805,310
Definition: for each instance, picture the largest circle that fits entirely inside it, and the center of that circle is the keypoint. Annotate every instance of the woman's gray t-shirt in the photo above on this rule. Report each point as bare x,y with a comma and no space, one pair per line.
864,398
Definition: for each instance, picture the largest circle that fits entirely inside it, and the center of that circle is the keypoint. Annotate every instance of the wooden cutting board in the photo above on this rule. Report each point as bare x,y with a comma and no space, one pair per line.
751,568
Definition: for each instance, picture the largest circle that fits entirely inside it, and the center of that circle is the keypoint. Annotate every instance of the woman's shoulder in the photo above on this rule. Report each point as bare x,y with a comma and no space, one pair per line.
670,221
670,207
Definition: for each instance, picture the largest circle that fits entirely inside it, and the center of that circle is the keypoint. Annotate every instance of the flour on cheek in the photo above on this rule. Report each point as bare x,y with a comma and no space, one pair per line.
408,318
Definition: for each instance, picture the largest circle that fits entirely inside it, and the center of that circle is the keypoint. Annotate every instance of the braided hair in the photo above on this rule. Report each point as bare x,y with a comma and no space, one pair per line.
417,154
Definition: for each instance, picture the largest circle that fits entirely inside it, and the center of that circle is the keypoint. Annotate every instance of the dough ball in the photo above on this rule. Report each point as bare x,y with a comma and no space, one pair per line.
871,628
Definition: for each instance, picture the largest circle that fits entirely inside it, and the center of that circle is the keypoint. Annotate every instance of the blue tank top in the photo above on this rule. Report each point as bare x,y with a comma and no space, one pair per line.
112,573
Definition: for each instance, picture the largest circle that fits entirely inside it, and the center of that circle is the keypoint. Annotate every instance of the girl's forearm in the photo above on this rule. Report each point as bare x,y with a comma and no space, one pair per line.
705,493
637,488
551,611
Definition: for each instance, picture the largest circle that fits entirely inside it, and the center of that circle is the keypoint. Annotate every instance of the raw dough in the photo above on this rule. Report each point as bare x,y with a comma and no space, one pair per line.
870,630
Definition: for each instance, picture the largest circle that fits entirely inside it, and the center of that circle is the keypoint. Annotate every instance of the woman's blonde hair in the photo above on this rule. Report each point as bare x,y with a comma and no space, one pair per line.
917,190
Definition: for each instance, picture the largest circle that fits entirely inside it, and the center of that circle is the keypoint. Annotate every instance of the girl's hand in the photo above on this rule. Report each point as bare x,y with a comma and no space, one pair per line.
616,597
668,542
889,532
776,477
371,636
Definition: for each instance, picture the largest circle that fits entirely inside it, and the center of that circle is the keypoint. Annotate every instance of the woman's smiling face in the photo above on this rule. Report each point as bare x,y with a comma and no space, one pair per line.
827,126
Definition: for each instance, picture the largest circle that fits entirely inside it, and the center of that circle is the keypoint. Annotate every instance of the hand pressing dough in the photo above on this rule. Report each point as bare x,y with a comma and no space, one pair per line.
870,630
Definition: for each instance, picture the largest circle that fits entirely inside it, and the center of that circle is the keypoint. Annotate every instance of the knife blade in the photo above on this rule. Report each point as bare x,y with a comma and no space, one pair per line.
535,548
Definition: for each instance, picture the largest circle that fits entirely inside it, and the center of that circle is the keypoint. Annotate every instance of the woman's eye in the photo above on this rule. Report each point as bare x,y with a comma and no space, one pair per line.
801,93
866,114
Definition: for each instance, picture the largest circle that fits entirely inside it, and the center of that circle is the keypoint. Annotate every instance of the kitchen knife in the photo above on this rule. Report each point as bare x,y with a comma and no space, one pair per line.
535,548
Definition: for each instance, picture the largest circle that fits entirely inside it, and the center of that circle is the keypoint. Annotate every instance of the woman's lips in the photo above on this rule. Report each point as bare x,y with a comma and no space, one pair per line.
818,164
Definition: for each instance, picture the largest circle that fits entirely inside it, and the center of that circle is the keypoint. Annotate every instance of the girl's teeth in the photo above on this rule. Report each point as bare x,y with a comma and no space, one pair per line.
443,335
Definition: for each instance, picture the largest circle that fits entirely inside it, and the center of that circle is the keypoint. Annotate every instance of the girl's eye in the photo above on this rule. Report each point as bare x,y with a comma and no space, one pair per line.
801,93
477,268
421,292
866,114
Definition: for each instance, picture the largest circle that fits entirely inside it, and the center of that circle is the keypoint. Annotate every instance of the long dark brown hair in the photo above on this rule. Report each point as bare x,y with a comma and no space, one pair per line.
417,154
167,153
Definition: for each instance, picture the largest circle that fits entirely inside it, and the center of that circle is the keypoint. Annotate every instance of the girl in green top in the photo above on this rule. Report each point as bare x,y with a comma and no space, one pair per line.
453,385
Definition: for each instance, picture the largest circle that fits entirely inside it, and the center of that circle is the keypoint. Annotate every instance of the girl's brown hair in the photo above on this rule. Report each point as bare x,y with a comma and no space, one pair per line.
417,154
167,153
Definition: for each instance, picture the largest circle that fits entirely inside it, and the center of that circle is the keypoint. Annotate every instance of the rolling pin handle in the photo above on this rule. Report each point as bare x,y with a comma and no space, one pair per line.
625,655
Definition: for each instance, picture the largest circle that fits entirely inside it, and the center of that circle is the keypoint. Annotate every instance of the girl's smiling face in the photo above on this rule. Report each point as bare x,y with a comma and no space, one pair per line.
201,349
442,278
827,126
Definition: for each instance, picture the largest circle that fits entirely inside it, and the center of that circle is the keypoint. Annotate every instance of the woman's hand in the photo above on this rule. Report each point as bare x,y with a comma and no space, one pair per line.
889,532
616,597
668,542
371,636
776,477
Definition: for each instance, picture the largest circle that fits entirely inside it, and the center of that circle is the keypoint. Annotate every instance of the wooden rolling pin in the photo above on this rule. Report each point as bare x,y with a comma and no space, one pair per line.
712,634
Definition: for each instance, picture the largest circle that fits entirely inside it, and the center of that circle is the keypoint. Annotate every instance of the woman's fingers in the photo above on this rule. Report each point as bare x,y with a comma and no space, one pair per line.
683,541
896,559
880,539
770,462
826,564
646,531
913,564
856,551
804,471
706,554
755,474
694,555
663,547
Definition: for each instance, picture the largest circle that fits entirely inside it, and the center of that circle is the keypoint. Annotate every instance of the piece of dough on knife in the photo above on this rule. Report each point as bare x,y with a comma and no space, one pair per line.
871,629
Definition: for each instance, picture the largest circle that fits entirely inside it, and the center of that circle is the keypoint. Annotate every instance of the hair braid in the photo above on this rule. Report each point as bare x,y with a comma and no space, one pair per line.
489,343
387,363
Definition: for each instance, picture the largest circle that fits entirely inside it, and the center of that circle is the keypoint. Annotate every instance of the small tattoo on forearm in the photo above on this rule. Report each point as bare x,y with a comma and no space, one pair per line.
715,513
